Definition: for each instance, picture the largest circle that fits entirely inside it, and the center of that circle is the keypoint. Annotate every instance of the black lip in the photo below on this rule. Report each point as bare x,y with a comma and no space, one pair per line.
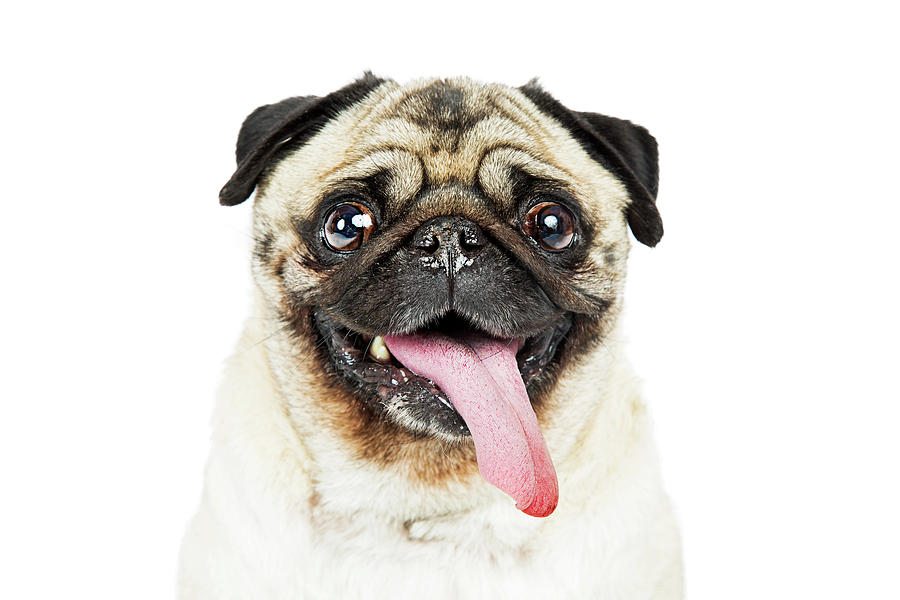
409,400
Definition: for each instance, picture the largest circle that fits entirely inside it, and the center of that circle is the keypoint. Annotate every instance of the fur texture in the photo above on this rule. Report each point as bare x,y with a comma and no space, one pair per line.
317,488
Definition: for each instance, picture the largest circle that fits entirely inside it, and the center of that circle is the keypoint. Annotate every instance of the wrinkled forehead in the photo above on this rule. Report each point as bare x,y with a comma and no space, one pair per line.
433,133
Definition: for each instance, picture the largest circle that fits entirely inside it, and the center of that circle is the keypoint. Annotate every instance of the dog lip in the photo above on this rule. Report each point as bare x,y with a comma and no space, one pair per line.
533,344
390,388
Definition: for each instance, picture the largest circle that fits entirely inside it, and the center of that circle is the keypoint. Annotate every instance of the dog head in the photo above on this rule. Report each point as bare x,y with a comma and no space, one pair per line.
435,260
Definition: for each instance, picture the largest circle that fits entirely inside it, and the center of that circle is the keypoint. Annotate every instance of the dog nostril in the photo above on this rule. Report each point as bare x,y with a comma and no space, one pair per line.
448,235
427,243
471,239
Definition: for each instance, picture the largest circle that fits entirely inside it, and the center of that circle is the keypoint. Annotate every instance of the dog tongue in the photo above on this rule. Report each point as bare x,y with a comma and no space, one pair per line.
480,376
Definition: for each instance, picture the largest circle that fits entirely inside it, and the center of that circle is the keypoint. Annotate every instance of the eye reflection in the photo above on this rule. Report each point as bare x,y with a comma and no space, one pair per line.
348,226
551,225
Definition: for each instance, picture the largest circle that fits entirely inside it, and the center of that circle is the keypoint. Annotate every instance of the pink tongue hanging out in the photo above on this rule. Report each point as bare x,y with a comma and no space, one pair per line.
480,376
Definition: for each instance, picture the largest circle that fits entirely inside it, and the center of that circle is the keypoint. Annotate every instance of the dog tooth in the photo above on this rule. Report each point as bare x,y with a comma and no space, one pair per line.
378,350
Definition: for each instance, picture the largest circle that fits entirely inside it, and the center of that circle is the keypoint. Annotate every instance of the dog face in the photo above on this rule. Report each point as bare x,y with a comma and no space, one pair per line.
436,260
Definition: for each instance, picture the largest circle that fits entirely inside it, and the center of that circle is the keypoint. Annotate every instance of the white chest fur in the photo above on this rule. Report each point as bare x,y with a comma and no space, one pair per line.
276,522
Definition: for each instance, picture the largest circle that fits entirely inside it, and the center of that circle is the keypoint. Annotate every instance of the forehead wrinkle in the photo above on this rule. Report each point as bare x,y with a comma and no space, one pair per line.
524,110
549,137
393,134
403,168
398,132
509,124
489,133
494,129
434,201
381,159
530,117
525,160
494,175
397,122
485,134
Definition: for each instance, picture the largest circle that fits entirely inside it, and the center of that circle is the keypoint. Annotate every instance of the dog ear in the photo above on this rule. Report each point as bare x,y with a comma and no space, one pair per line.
292,121
625,149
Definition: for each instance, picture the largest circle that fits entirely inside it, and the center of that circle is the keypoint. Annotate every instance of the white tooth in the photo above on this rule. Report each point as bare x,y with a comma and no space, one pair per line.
378,350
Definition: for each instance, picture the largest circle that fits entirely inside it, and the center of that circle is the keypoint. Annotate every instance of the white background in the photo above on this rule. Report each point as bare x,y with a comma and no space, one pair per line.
765,323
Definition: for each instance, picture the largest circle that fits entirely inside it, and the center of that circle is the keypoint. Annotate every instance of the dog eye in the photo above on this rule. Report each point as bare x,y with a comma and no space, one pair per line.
550,225
348,226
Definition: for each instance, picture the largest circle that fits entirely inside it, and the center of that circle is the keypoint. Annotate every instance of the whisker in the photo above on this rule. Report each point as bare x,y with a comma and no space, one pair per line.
268,337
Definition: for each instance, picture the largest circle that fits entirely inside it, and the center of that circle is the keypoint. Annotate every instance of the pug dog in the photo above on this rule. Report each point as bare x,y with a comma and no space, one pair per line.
431,397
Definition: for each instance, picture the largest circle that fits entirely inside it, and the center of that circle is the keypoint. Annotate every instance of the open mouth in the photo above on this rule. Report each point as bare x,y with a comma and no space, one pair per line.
452,380
415,401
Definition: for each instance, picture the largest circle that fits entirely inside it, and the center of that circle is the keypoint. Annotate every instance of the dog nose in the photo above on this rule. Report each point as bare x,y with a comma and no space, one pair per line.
450,236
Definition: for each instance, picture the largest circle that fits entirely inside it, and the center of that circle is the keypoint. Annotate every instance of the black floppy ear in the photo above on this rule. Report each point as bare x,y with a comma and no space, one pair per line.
626,149
295,120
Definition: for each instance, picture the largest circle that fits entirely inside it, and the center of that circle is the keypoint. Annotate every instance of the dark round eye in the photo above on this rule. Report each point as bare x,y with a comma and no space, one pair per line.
551,226
348,226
